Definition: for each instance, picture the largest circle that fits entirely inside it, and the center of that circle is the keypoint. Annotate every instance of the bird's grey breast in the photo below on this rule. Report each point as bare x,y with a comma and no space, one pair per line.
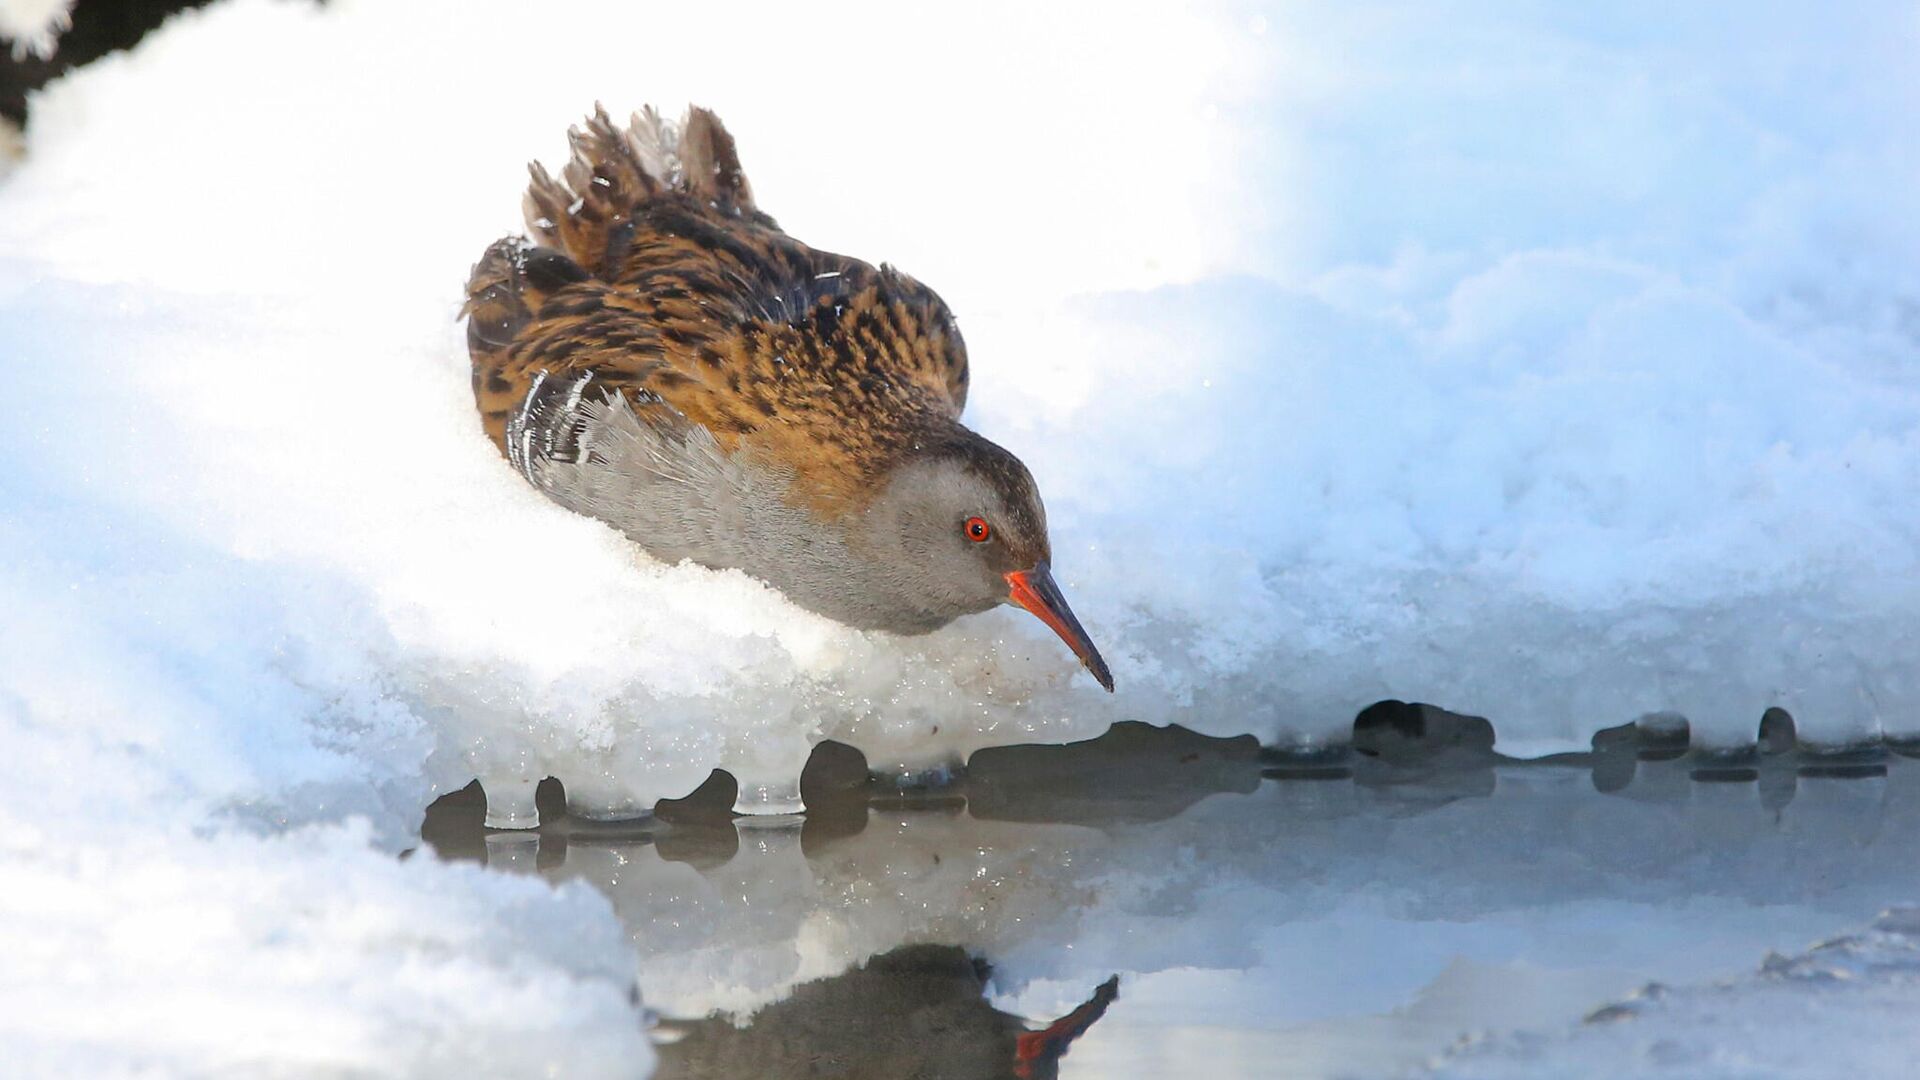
663,480
646,470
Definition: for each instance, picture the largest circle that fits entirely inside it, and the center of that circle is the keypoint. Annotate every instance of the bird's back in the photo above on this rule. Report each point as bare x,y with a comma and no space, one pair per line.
654,284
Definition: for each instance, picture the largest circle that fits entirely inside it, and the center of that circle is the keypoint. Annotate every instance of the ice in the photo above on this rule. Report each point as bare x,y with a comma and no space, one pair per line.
1840,1008
510,801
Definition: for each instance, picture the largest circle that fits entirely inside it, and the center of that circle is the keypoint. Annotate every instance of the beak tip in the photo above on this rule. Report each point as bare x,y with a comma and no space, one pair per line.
1035,590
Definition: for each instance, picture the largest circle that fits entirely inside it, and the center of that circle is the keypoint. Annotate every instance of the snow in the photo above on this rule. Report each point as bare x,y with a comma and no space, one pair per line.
1547,365
33,27
198,839
306,955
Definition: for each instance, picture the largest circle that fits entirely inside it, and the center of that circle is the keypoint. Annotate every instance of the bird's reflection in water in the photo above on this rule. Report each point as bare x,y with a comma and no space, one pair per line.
682,879
919,1011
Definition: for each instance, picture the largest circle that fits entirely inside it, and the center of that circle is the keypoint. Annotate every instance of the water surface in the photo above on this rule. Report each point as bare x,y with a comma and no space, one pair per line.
1158,904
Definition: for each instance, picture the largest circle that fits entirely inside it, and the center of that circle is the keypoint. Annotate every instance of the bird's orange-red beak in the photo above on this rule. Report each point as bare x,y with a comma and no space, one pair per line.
1035,590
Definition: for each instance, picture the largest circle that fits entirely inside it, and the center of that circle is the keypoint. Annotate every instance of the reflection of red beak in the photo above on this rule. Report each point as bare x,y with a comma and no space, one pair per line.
1034,590
1047,1046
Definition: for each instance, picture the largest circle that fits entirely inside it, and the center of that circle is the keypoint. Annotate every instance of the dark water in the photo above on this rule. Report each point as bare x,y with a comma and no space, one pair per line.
1158,904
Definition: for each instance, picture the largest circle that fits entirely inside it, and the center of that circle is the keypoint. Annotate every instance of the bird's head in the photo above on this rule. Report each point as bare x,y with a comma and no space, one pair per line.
960,528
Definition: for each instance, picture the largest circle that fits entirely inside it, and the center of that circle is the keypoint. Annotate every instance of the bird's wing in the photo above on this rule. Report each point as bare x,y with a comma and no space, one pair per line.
654,271
824,364
664,209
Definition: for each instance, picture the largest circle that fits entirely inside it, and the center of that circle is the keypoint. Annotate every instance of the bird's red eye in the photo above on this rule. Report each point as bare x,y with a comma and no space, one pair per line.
977,531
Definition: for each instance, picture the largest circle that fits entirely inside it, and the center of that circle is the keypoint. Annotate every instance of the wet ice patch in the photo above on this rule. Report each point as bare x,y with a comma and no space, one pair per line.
1840,1008
1350,927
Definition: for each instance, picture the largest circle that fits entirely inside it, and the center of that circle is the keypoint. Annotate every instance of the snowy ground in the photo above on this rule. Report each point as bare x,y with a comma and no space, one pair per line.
1547,365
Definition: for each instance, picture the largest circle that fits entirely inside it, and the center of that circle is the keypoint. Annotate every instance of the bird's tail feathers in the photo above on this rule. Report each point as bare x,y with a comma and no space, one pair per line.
587,211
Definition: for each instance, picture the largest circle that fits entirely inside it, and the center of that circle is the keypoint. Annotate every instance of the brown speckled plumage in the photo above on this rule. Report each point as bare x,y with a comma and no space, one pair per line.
693,297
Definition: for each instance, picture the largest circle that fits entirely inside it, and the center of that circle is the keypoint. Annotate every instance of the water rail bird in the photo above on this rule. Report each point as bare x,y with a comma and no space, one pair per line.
661,356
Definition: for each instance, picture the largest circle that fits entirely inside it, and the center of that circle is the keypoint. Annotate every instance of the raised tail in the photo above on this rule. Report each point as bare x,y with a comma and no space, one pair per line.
589,211
583,225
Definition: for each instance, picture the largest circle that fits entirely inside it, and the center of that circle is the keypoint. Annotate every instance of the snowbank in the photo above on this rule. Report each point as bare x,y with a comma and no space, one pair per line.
1560,389
198,840
260,291
304,955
